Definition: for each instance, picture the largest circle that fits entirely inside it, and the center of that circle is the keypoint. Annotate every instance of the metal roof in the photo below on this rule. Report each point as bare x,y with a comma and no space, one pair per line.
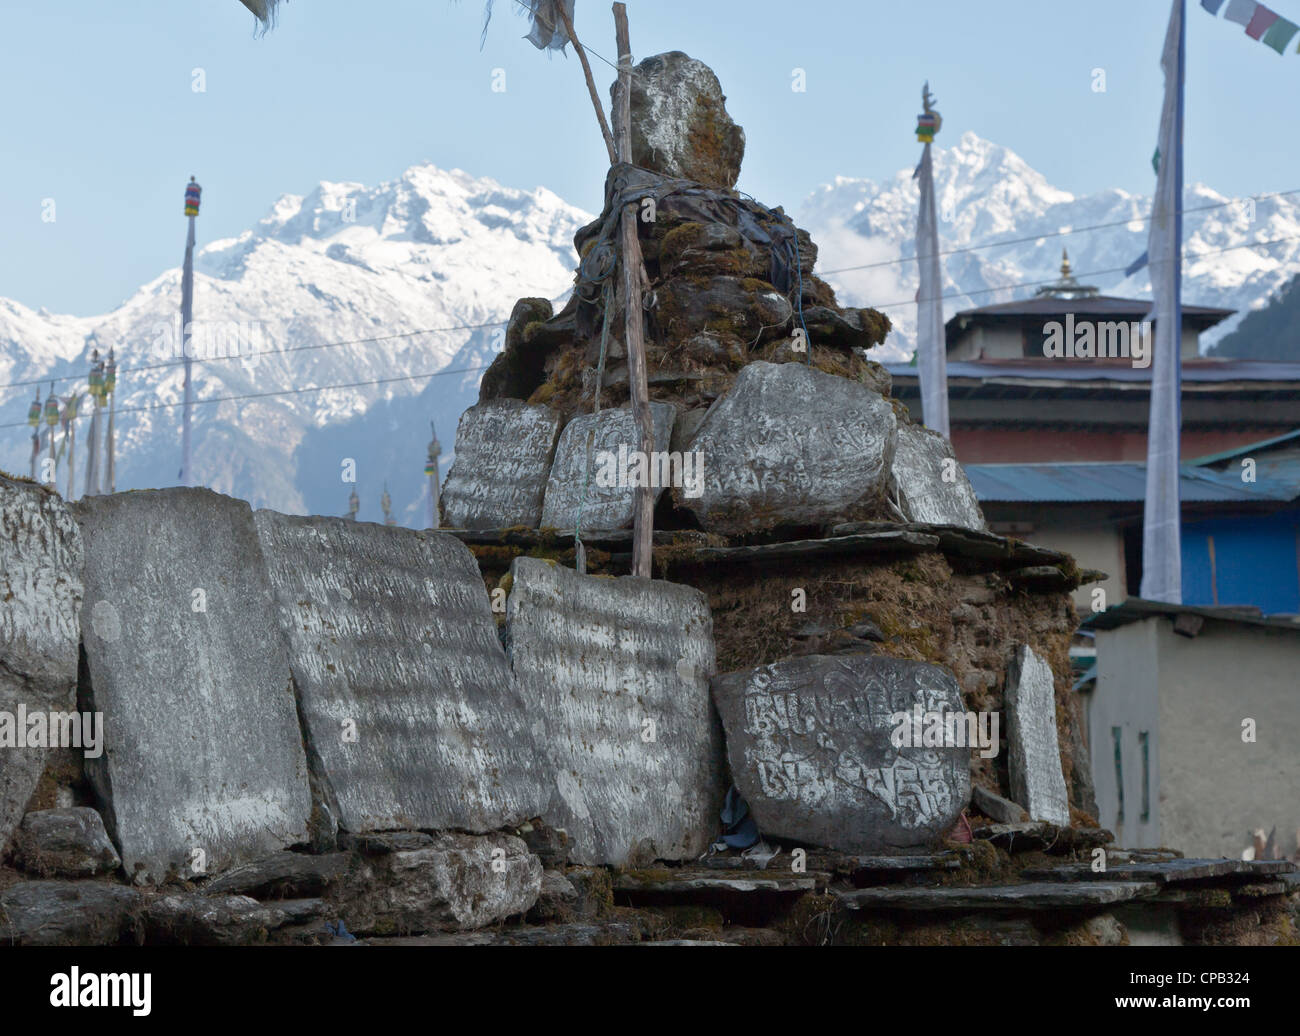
1135,609
1045,369
1115,482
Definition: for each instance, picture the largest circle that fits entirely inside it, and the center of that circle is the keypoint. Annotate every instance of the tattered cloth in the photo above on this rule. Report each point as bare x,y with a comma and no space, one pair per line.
681,201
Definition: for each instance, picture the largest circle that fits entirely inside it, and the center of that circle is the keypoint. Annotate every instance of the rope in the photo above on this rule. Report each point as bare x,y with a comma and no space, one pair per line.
579,551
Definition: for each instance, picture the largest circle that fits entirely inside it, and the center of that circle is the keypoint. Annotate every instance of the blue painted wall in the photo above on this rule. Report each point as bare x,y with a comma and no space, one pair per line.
1256,561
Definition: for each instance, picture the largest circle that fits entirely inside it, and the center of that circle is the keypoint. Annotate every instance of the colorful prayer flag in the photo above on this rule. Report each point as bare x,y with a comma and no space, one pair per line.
1261,22
1240,11
1279,35
1212,5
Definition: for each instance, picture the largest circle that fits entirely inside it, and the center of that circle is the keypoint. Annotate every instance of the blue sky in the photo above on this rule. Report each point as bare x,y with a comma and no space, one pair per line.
97,109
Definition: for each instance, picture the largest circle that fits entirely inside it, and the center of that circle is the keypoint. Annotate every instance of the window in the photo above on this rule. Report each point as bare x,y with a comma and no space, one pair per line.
1145,741
1115,733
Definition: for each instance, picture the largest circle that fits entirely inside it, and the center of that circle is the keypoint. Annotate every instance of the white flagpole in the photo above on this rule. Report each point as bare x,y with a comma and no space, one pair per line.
1162,578
931,348
187,316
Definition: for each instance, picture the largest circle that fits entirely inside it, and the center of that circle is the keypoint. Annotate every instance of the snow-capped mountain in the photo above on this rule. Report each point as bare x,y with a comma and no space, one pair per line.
432,249
436,249
986,193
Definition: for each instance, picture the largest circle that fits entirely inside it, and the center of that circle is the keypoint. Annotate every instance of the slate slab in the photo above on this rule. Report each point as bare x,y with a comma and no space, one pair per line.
1165,872
1033,896
504,449
411,716
790,445
932,487
41,590
809,742
615,673
203,766
1034,753
607,506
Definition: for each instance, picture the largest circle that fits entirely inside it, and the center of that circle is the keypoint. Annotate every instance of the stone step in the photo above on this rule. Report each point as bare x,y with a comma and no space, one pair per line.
1165,872
1031,896
693,880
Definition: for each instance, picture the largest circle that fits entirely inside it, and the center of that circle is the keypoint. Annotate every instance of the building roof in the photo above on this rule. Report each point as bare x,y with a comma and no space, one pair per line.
1135,609
1278,441
1109,307
1047,371
1111,482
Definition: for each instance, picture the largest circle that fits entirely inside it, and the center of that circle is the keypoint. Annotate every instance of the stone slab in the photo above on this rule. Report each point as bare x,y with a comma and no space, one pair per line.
40,590
1033,896
1166,872
809,742
606,506
203,766
504,449
1033,751
605,665
932,487
706,880
790,445
410,712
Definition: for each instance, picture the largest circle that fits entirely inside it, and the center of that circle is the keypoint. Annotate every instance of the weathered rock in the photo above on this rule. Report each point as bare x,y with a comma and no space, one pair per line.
607,506
616,672
556,901
204,766
845,328
680,126
809,742
41,590
65,843
546,843
66,913
996,808
520,366
286,873
385,842
1033,751
932,486
194,919
732,308
790,445
504,450
410,713
1032,896
460,882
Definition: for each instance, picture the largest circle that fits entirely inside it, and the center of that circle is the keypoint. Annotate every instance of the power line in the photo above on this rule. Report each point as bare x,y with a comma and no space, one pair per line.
283,392
1054,233
273,352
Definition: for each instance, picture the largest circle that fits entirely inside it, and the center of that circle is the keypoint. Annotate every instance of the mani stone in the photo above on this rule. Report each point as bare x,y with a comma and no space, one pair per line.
932,487
40,601
1034,754
607,506
791,445
406,698
809,742
615,672
504,450
679,122
203,765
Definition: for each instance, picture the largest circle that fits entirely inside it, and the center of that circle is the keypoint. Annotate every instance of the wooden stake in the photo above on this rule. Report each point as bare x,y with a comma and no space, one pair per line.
633,278
591,84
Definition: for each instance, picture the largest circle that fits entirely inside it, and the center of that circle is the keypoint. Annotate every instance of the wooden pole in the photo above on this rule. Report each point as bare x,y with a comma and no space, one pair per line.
633,278
591,84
